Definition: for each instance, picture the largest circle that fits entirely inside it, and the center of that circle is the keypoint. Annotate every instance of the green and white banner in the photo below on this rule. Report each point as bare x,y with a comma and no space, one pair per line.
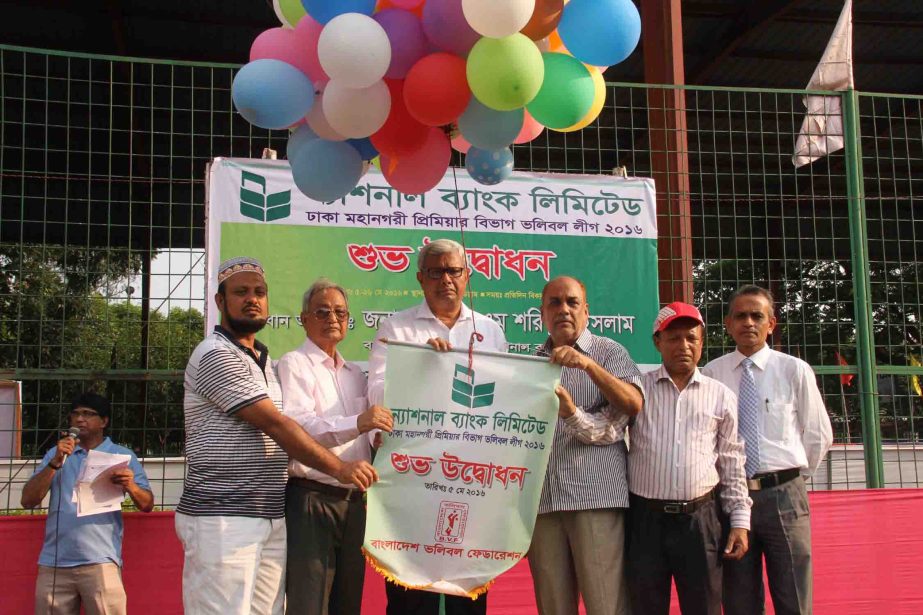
462,472
519,234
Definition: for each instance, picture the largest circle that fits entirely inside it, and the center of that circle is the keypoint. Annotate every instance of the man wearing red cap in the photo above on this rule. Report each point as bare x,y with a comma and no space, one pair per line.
683,444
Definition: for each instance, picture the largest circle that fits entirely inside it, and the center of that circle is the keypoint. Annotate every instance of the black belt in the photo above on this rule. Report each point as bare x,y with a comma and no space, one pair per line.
341,493
772,479
675,507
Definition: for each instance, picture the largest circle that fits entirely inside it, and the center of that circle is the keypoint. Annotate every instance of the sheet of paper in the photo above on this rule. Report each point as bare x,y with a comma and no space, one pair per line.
95,492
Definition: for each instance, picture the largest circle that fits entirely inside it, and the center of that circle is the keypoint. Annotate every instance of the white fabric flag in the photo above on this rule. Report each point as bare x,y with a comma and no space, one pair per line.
822,129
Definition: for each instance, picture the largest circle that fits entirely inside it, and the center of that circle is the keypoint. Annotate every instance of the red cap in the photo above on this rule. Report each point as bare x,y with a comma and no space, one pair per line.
675,310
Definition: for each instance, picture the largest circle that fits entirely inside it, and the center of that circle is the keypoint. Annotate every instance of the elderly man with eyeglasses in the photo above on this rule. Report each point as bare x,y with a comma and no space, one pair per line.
444,322
326,518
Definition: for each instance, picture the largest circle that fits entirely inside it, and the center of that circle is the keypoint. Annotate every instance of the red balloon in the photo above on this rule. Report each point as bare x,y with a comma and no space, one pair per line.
420,171
401,134
436,89
544,20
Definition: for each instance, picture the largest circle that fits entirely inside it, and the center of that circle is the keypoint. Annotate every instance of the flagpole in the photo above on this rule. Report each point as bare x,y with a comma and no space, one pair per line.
862,301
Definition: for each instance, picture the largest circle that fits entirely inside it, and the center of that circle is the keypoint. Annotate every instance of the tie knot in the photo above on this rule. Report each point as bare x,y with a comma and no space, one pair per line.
747,363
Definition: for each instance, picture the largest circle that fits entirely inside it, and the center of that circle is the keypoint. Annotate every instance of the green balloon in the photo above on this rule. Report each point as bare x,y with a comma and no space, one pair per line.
289,12
505,73
567,92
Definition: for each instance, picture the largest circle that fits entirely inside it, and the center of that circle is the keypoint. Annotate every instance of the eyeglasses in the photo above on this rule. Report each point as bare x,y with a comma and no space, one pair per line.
436,273
87,414
323,314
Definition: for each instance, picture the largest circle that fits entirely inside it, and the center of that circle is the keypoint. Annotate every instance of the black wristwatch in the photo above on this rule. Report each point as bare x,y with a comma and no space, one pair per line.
54,467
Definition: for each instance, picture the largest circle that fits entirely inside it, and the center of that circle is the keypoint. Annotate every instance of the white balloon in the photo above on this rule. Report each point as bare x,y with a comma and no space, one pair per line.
354,49
317,121
356,112
498,18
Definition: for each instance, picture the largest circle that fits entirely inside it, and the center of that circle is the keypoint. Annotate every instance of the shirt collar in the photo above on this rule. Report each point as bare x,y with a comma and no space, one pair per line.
661,374
319,357
759,358
102,447
424,313
257,345
583,344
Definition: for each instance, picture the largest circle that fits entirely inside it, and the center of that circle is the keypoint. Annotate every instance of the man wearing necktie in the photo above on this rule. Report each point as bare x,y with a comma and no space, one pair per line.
786,432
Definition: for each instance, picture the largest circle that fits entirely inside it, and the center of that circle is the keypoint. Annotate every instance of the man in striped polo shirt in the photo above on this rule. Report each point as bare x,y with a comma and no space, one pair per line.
578,542
683,444
230,518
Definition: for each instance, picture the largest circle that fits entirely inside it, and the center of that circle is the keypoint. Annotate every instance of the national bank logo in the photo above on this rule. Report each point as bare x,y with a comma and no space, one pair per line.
256,204
468,394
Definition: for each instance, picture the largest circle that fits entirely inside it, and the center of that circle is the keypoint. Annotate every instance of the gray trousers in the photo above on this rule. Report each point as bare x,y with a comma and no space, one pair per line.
578,554
325,566
781,532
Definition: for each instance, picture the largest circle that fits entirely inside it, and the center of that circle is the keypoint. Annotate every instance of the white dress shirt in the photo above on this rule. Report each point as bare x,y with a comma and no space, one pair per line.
326,397
418,324
684,442
795,429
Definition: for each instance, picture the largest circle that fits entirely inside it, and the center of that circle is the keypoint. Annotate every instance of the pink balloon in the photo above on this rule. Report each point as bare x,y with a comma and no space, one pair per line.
308,31
460,144
297,47
420,171
530,129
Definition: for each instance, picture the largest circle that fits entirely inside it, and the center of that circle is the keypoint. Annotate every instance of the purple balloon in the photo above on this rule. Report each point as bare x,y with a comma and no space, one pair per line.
408,43
446,27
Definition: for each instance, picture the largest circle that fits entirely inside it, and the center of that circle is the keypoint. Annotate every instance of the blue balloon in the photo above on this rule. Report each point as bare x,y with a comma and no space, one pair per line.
324,10
298,140
487,128
272,94
600,32
364,146
489,167
326,170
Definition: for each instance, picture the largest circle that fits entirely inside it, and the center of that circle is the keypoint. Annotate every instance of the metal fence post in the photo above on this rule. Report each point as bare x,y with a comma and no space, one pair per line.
862,302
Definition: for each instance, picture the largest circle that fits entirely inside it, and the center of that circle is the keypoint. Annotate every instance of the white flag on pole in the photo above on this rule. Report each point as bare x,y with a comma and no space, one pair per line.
822,129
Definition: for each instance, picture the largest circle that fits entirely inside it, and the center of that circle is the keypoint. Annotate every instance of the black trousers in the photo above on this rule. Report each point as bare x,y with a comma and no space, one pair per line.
403,601
325,568
686,548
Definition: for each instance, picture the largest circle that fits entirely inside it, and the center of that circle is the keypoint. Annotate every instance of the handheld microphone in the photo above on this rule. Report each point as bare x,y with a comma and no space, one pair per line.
73,432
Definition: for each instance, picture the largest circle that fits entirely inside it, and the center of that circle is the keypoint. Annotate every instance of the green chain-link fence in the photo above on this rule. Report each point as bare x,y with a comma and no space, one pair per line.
102,220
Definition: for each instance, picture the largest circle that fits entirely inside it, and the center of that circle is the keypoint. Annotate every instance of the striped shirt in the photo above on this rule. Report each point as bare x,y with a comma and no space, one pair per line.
685,442
580,475
232,468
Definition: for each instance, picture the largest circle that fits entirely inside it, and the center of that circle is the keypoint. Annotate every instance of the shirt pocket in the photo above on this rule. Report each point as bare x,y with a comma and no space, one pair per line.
777,421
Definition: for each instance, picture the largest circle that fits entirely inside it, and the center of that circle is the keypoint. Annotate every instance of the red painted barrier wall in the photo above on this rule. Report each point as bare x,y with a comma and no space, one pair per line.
868,553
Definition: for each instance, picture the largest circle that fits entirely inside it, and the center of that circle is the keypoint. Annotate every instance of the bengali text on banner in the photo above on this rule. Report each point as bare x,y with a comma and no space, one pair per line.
462,472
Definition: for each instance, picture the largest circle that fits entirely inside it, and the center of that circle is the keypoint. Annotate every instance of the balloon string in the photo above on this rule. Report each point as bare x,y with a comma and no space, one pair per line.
475,335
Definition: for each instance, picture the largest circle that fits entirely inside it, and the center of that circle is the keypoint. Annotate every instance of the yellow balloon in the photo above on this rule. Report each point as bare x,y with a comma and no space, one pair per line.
599,100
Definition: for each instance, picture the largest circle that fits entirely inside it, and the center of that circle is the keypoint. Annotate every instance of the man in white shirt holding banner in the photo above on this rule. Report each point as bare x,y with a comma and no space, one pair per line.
325,519
786,432
444,322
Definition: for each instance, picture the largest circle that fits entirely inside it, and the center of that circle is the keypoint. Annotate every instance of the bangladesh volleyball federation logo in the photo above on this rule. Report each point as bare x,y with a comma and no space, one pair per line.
256,204
451,521
468,394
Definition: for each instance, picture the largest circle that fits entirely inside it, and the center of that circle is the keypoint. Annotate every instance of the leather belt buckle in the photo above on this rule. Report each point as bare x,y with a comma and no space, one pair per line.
674,508
754,484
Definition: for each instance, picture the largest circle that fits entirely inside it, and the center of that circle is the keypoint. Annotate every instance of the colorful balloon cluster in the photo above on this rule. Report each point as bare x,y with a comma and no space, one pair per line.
359,79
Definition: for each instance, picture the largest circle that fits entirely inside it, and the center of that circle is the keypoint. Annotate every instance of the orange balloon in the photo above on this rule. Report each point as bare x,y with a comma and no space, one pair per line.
556,44
544,20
